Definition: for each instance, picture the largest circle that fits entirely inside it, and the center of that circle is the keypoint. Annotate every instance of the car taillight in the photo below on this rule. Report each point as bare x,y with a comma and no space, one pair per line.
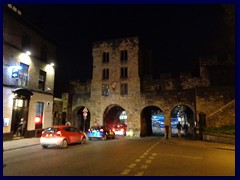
113,129
59,133
101,130
122,129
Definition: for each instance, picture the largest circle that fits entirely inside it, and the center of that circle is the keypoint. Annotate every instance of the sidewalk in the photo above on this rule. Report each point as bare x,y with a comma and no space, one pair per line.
20,143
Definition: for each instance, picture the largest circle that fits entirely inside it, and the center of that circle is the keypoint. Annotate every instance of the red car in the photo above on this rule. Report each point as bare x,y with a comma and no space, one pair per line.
119,130
61,136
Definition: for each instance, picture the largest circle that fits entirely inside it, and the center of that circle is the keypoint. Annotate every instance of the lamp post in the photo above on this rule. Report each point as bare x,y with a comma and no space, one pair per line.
85,111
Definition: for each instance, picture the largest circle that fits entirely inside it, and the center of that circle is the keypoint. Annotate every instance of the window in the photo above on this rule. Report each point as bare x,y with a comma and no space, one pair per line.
39,114
105,89
124,72
42,80
26,41
124,88
124,55
105,73
43,54
105,57
23,75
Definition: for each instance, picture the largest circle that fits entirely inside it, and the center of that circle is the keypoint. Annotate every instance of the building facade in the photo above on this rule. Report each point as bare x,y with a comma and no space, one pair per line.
120,93
28,75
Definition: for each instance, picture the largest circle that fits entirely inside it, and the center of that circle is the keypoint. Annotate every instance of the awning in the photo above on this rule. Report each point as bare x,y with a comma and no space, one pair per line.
23,91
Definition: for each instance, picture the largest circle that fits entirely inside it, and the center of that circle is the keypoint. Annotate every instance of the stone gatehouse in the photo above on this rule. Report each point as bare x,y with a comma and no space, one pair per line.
119,92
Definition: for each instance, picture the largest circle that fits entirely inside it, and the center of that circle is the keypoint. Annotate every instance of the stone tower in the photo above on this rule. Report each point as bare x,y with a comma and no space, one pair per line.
115,79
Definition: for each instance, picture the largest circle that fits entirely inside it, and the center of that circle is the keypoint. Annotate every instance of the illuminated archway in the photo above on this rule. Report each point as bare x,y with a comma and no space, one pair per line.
152,121
184,115
114,115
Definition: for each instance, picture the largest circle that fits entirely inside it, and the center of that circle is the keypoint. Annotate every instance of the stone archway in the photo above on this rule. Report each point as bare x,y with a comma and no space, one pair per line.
185,115
79,120
152,121
114,115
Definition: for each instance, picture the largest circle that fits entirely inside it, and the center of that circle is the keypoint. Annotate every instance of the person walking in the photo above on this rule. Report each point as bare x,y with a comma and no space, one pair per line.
68,123
179,127
21,127
185,127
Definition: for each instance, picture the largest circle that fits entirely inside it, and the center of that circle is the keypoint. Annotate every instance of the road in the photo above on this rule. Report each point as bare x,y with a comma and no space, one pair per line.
150,156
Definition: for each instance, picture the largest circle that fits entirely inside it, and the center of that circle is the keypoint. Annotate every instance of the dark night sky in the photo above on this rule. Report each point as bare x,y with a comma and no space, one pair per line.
176,34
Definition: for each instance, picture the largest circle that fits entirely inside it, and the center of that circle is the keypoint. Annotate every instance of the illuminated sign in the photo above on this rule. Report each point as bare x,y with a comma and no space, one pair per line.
14,72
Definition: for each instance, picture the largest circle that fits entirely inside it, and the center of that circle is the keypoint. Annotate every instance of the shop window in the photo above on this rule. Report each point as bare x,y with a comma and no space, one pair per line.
39,115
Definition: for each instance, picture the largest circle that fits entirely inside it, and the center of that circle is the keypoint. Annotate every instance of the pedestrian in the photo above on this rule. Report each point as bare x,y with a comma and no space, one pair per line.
21,127
68,123
185,127
179,127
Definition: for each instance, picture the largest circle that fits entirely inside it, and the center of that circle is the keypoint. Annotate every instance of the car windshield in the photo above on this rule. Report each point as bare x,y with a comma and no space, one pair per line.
51,129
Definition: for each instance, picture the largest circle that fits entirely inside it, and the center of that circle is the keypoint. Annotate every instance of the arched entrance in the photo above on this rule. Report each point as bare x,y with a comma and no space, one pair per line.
184,115
83,118
114,115
152,121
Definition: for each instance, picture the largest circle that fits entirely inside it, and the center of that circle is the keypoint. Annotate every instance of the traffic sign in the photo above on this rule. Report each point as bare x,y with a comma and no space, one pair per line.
85,110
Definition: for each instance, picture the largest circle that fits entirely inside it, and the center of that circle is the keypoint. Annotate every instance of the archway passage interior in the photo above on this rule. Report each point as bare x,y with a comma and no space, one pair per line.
114,115
184,115
152,121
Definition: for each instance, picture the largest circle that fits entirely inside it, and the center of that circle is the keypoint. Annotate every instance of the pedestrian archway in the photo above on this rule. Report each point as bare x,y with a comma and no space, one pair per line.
152,121
83,118
184,115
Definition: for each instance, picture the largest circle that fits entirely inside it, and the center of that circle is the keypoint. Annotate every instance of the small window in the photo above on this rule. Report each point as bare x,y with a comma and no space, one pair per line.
41,80
105,57
124,89
123,55
124,72
26,41
44,54
105,73
105,89
23,75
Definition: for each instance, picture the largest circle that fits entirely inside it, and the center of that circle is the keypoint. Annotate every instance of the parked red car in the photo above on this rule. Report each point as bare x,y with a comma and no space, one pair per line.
61,136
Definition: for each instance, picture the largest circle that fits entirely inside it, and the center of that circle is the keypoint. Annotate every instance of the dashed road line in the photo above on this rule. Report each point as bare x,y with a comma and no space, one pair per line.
144,166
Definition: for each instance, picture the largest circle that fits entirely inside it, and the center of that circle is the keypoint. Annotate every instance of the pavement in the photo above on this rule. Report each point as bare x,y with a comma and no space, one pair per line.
27,142
20,143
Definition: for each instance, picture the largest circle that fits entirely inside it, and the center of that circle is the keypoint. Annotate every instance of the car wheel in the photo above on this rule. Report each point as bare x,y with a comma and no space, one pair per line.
64,143
113,137
83,141
44,146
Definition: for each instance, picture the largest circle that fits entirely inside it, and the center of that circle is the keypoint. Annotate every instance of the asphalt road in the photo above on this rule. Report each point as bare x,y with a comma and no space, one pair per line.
150,156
